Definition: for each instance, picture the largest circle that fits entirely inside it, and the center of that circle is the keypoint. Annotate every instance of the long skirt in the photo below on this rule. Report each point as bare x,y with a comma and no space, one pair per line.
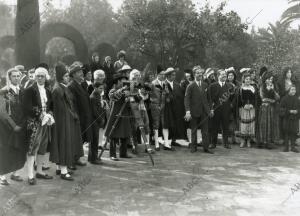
267,123
247,122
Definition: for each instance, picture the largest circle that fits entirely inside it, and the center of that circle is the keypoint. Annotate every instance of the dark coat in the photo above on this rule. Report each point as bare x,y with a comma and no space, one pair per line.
220,97
88,88
174,112
67,142
82,106
195,100
32,102
123,127
109,73
32,110
290,121
95,66
12,147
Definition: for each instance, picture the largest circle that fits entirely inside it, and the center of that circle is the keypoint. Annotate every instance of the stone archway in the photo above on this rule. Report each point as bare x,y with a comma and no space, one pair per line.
67,31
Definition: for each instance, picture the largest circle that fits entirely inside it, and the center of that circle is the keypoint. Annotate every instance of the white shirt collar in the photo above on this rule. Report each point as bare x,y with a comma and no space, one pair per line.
15,88
89,82
221,83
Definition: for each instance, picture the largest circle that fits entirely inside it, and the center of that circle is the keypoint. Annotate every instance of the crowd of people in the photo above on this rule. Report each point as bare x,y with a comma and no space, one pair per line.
47,119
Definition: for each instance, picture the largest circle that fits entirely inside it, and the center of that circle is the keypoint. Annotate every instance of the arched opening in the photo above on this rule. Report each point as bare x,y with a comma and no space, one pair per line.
63,30
57,49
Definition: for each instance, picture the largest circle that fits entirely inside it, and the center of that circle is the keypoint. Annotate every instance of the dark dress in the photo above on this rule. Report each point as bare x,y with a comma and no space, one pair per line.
12,146
109,73
67,142
174,111
290,121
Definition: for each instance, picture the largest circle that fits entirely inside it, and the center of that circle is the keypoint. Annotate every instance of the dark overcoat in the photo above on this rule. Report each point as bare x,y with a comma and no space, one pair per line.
81,101
67,142
174,112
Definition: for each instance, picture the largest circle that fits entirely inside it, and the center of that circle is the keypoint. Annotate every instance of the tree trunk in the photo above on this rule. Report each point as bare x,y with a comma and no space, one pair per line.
27,32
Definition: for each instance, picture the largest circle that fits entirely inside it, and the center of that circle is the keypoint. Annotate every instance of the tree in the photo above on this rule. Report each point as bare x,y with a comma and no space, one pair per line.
278,46
292,13
165,31
27,33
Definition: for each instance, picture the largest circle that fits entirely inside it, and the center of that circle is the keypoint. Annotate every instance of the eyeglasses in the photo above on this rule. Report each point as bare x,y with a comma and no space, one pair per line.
40,76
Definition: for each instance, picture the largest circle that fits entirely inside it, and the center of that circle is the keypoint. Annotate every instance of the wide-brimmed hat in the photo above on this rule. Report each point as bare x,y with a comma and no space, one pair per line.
124,68
74,68
119,76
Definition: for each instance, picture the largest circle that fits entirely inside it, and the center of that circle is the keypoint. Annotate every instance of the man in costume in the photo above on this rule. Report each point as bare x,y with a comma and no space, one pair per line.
173,114
38,114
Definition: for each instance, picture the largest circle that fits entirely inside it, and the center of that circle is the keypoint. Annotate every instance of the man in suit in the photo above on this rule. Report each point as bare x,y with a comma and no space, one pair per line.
219,97
81,101
197,109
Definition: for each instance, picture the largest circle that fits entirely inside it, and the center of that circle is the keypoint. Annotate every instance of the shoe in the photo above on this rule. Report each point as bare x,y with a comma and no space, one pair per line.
173,143
31,181
157,148
66,177
4,182
208,151
193,150
114,158
58,172
242,145
125,156
96,162
169,148
41,176
72,168
295,150
80,163
16,178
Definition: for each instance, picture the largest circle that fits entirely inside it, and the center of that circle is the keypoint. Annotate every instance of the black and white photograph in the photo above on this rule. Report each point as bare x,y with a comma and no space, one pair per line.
149,107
